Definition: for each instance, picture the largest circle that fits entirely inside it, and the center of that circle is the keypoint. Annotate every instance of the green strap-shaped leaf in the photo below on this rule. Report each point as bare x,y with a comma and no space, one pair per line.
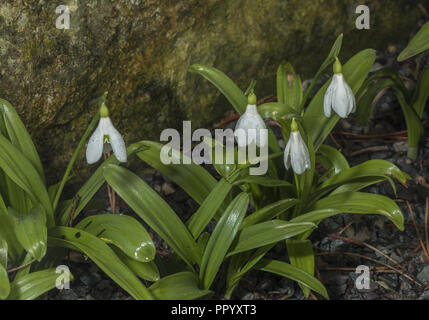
421,94
153,210
178,286
289,87
301,255
221,238
19,136
90,188
331,158
7,233
264,181
265,233
209,207
122,231
355,71
363,203
268,212
418,44
224,84
144,270
30,230
192,178
33,285
103,257
20,170
291,272
4,283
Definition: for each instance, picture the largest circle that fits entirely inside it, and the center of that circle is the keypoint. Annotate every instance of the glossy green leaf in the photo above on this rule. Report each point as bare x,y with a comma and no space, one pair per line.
30,230
224,84
19,136
264,181
418,44
192,178
153,210
421,94
276,111
363,203
122,231
90,188
20,170
144,270
289,86
331,158
213,202
296,274
316,216
269,212
7,233
3,252
265,233
221,239
301,255
102,255
355,71
178,286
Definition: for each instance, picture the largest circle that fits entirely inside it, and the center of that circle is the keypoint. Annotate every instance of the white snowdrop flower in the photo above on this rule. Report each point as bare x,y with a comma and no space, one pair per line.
339,95
104,138
251,127
296,151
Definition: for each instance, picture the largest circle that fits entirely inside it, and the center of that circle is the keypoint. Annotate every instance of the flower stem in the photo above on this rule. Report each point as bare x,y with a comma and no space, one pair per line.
74,157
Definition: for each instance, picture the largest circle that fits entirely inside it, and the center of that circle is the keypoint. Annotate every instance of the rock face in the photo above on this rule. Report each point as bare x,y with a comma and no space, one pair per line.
140,51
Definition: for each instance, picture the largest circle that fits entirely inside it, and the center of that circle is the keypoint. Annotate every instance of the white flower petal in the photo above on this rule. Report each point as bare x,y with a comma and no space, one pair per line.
94,149
286,158
300,157
251,120
327,101
117,143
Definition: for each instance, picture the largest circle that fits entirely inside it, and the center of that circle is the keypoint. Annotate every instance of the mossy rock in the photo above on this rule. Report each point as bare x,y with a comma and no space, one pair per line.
140,51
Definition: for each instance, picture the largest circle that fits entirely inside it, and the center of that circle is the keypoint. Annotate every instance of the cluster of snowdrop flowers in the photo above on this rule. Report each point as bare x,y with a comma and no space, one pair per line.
104,139
339,96
251,127
296,151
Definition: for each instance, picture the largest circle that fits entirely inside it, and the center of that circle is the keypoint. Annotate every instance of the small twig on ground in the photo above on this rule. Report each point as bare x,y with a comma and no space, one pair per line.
21,267
369,149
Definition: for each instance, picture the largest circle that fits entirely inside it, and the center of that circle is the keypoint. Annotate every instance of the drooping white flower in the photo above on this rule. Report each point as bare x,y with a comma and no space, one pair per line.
251,127
296,151
339,95
105,134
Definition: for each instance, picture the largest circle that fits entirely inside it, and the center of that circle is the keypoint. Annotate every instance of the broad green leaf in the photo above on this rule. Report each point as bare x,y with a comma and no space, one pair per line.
19,136
30,230
268,212
316,216
3,252
296,274
153,210
7,233
209,207
277,111
192,178
363,203
221,238
178,286
418,44
362,183
4,283
335,51
265,233
331,158
33,285
301,255
122,231
90,188
289,87
144,270
102,255
355,71
22,172
224,84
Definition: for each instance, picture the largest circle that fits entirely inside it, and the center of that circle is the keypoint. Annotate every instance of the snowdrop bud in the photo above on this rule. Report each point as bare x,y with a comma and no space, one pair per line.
296,151
251,127
339,95
104,139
